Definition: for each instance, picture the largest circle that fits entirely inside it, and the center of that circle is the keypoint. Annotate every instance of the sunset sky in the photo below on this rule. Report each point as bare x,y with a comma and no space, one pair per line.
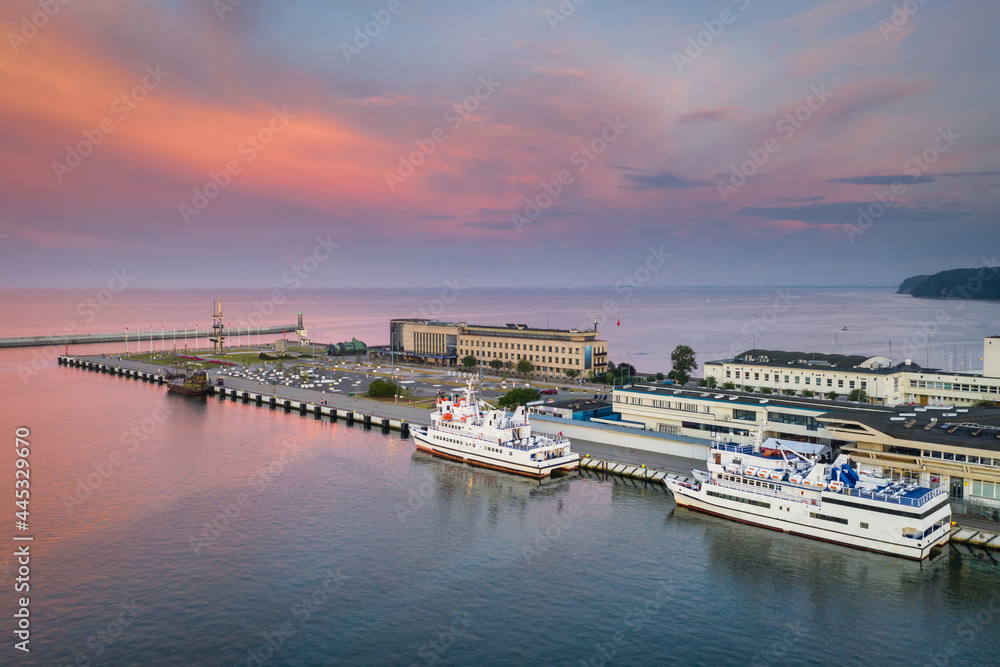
117,113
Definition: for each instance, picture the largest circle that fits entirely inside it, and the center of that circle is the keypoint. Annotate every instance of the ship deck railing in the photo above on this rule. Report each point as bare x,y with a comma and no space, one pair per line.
769,493
524,445
901,499
733,447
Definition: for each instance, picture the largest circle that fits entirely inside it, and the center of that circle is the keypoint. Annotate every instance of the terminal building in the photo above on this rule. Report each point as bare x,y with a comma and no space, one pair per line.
815,374
931,445
551,351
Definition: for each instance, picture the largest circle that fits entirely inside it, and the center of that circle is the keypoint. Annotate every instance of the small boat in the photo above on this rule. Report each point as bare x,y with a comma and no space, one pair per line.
190,383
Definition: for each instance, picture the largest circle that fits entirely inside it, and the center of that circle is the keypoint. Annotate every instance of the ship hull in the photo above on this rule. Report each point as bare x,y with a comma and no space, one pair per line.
695,500
427,444
187,391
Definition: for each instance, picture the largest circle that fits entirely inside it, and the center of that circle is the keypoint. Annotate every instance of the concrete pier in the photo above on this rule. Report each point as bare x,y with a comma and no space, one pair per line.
303,401
975,537
149,337
600,458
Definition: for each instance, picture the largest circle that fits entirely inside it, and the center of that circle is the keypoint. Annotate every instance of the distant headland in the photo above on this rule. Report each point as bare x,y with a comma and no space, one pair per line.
980,283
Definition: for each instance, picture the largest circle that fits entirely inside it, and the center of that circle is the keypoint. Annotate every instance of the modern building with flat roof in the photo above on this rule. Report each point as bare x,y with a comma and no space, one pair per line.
930,445
551,351
809,373
957,447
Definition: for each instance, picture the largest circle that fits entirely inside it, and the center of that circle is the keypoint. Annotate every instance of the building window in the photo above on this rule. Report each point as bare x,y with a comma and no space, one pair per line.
756,376
727,374
744,415
840,383
796,379
852,384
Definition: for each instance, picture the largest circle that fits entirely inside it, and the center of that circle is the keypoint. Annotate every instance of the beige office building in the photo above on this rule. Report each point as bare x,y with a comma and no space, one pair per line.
551,351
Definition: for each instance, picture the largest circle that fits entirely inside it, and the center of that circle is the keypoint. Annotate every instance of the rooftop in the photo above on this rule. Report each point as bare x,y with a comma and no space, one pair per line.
577,404
960,427
729,396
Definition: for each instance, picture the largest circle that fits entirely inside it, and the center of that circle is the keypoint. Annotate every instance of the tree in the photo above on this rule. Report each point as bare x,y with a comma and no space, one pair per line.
711,382
832,395
496,364
748,389
808,393
788,392
525,367
766,390
683,363
732,385
516,397
469,362
985,403
572,373
858,396
382,389
659,377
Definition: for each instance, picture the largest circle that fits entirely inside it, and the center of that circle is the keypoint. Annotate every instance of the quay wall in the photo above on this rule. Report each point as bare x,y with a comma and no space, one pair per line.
622,436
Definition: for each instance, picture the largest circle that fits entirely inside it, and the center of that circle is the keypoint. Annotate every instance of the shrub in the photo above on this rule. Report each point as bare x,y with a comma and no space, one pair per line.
382,389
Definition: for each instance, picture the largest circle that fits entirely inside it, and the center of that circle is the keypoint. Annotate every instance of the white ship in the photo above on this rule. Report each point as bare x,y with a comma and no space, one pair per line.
470,430
780,484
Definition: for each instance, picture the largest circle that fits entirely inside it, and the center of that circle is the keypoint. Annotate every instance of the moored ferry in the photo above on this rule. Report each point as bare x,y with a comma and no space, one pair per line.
467,429
782,485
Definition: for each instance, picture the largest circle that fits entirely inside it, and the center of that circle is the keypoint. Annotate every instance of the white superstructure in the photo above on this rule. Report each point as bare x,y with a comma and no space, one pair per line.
780,484
470,430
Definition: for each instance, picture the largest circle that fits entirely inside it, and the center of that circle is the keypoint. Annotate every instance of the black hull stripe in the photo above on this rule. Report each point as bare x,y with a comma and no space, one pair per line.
464,454
758,516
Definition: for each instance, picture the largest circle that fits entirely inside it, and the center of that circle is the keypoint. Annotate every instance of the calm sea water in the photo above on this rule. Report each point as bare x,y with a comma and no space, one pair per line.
179,531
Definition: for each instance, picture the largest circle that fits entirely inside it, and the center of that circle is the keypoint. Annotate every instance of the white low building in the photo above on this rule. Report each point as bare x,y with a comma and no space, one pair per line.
812,374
